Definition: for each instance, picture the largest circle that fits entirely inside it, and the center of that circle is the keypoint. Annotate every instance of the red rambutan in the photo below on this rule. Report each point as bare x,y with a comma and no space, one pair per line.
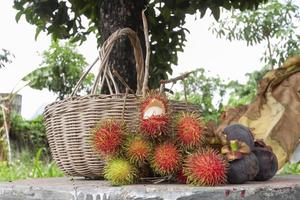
181,177
137,150
155,126
154,104
166,159
189,129
154,115
206,167
107,136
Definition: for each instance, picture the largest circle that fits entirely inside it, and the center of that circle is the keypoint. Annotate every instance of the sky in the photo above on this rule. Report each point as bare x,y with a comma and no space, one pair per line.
229,60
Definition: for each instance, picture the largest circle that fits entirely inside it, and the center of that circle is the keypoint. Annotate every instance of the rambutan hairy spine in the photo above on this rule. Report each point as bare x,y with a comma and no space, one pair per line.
166,159
107,136
189,129
137,150
206,168
120,172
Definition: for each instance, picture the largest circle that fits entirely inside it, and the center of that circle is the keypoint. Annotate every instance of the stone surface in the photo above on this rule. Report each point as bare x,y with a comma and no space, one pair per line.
279,188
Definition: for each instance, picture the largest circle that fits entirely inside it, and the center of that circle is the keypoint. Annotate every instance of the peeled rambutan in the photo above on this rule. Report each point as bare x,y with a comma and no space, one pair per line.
154,115
120,172
154,103
166,159
206,168
137,150
189,129
107,136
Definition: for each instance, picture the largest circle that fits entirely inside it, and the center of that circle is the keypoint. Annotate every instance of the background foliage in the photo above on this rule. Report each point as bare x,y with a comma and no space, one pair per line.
5,57
214,94
64,19
27,167
275,24
29,135
242,94
60,70
206,91
291,168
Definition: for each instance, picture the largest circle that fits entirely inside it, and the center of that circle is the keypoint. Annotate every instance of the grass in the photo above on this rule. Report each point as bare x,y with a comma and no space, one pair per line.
28,167
291,168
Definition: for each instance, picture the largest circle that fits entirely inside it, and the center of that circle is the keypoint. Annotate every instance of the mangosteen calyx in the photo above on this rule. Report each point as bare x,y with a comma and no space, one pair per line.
235,149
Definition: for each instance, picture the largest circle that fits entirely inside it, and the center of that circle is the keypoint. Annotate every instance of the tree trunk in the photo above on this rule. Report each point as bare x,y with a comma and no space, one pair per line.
6,111
115,14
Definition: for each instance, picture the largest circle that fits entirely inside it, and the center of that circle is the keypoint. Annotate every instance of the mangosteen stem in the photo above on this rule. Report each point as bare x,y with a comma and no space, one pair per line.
234,146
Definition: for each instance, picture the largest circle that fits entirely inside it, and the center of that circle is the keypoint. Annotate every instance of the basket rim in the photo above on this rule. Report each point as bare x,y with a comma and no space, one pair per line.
95,96
91,96
103,96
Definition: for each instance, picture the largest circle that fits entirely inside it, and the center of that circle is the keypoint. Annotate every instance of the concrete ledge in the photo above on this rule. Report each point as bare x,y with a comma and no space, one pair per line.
279,188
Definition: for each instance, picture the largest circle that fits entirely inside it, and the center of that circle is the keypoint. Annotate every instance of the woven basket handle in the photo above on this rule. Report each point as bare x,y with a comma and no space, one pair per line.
104,70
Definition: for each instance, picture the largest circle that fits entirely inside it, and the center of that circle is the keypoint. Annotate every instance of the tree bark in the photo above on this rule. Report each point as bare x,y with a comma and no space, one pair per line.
115,14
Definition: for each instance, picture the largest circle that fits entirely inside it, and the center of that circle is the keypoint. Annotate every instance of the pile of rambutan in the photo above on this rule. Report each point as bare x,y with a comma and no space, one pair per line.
168,146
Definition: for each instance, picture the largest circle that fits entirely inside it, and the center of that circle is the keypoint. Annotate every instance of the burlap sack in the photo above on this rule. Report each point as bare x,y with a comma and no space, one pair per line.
274,115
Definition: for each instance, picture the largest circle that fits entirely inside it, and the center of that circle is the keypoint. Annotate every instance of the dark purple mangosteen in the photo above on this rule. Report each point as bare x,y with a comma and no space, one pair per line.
268,163
240,133
243,170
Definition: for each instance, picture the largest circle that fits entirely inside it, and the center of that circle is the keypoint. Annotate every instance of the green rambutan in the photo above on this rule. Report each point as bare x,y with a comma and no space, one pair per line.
189,129
107,136
166,159
137,150
154,115
120,172
206,168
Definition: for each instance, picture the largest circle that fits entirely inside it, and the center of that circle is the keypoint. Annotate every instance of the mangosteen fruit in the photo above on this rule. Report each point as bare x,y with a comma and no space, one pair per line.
240,133
243,170
267,161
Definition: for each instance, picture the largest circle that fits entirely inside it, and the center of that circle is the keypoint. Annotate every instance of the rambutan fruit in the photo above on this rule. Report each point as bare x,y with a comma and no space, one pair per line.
189,129
154,115
137,150
206,168
107,136
154,103
166,159
181,177
155,126
120,172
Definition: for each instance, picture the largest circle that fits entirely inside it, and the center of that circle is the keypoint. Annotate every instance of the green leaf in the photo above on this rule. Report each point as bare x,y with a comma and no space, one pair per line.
37,32
202,12
18,16
216,12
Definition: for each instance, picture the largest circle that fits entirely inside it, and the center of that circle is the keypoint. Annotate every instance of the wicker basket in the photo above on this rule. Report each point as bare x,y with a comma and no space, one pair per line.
69,122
